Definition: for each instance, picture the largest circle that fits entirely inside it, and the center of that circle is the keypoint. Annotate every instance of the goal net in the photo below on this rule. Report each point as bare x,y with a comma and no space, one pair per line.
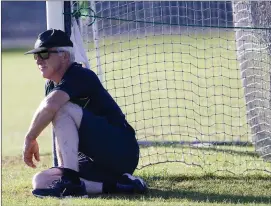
193,78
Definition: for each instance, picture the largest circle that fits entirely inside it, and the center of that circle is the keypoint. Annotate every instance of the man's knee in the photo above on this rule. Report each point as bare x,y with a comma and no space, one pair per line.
69,110
45,178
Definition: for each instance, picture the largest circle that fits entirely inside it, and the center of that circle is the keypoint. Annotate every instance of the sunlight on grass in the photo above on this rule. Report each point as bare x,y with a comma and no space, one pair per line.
209,159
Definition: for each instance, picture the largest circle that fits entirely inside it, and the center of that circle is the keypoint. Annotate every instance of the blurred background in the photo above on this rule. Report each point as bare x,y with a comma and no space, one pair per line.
21,22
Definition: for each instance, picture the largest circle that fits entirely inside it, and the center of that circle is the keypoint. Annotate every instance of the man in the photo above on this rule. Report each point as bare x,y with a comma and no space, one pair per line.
96,147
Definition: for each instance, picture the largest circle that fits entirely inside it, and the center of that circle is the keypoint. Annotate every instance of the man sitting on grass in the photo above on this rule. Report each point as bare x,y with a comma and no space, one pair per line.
96,148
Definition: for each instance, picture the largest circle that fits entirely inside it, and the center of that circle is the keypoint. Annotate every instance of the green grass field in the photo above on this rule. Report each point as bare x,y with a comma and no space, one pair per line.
167,96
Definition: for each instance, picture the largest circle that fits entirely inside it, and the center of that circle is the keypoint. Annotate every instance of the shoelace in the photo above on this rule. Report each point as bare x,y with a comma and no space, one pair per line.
54,183
62,193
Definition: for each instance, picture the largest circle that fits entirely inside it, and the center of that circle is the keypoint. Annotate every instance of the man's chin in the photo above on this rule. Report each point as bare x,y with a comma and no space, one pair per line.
44,75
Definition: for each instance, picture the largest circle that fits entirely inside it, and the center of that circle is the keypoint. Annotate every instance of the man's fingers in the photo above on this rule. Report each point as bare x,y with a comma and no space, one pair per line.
28,160
37,156
30,163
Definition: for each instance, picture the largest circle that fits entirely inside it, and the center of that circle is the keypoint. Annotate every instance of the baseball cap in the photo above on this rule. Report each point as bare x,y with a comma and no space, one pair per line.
51,38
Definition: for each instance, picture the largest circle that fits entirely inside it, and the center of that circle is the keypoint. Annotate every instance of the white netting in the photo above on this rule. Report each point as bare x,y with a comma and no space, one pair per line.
194,85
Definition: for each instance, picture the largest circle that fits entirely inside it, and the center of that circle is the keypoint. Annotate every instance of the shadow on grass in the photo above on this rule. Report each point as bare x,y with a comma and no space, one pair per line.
166,192
229,151
207,197
214,148
192,196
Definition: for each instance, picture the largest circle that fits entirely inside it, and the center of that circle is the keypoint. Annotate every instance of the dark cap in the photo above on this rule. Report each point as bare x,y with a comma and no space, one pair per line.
51,38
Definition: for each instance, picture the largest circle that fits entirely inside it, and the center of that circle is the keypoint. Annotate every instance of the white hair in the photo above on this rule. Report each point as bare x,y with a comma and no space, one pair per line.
69,50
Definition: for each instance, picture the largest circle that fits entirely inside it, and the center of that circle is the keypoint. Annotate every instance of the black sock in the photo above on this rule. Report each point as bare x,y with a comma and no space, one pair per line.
124,188
72,175
109,187
117,188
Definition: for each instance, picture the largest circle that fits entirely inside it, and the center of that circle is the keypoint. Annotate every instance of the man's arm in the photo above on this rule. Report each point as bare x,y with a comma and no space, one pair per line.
42,117
46,112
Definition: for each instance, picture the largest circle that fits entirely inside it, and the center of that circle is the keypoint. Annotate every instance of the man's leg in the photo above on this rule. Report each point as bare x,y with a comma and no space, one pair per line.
65,126
55,163
45,178
112,182
111,155
126,184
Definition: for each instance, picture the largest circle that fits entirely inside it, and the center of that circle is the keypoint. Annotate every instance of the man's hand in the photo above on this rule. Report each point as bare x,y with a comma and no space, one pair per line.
31,148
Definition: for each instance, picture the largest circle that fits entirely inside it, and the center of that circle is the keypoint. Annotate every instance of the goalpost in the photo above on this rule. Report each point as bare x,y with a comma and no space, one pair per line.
253,53
193,78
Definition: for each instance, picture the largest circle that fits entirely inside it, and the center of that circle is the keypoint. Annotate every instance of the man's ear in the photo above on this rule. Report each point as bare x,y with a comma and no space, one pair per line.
66,56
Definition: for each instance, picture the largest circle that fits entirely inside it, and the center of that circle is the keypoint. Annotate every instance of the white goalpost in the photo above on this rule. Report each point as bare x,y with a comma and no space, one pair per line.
193,78
54,14
253,53
55,20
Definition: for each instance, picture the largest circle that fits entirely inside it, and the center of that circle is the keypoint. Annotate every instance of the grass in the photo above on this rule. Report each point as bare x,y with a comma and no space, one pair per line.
194,81
166,188
170,92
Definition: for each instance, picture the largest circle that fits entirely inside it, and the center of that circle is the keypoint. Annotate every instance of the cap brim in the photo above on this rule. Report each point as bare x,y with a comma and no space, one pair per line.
37,50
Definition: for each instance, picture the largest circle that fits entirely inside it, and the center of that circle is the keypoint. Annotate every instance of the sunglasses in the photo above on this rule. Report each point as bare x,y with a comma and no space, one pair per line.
45,54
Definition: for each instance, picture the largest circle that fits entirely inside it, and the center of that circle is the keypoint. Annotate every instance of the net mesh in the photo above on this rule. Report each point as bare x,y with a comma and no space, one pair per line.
193,78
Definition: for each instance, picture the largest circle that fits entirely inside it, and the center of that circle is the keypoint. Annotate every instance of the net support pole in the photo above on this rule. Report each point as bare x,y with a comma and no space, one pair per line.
254,61
55,20
96,44
54,14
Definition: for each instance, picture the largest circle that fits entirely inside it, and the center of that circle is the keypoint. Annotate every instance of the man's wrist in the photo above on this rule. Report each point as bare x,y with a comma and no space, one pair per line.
30,137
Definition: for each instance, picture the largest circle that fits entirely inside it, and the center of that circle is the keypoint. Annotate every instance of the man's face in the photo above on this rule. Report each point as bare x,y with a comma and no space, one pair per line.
49,63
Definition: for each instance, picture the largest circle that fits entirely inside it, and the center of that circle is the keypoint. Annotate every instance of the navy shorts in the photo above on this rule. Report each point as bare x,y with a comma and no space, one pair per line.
106,151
